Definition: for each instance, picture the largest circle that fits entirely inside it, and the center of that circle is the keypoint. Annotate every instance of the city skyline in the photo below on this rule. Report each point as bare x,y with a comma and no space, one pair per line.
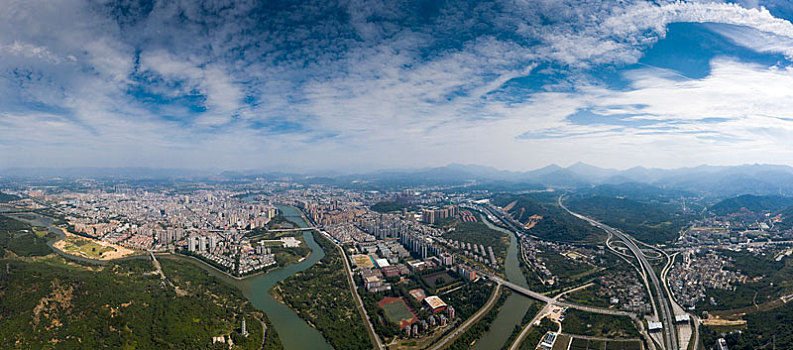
370,86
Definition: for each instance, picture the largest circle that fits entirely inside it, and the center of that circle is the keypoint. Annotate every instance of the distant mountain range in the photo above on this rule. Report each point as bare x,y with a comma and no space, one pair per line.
757,179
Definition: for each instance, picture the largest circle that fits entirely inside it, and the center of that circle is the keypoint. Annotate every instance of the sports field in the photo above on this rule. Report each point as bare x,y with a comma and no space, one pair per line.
84,247
397,311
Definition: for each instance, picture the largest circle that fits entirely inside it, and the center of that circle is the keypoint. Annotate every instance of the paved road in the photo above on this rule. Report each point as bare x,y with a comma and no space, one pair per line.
548,300
369,328
525,332
157,265
545,309
667,318
469,322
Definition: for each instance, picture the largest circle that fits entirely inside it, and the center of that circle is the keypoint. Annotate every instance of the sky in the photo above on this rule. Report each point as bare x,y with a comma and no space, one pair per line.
358,85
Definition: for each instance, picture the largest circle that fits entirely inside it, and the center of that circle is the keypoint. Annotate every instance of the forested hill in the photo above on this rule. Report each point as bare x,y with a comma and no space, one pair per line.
545,219
49,303
5,197
651,223
757,204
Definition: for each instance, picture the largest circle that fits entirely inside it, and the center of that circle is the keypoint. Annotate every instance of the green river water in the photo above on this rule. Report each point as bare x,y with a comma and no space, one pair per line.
516,305
293,331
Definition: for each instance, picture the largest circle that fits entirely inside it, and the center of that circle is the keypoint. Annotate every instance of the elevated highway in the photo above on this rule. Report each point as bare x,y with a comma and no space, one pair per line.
666,316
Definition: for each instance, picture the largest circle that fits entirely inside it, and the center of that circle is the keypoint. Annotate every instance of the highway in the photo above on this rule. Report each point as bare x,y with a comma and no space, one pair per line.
666,316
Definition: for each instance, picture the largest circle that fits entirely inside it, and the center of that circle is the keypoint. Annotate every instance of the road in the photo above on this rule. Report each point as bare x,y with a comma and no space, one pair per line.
525,332
470,321
666,316
369,328
545,309
157,265
548,300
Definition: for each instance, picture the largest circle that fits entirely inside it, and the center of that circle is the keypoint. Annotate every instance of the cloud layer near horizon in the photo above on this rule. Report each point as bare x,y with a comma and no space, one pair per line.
368,84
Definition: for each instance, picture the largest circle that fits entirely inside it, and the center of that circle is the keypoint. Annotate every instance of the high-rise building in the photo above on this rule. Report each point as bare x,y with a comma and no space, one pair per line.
202,244
191,244
213,242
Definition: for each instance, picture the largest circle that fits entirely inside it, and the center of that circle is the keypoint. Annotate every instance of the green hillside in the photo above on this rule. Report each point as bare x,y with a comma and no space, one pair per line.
756,204
53,304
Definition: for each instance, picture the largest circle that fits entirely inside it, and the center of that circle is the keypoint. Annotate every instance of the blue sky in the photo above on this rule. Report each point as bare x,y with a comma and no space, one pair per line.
361,85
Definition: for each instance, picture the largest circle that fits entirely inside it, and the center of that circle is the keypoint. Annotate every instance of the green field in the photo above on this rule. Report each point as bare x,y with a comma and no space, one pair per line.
85,247
584,344
598,325
397,311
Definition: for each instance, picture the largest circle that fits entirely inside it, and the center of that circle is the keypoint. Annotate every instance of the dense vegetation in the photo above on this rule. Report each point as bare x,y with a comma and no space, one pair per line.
768,280
479,328
479,233
534,308
50,303
647,222
535,334
388,207
770,329
555,223
757,204
20,238
598,325
6,197
636,191
321,296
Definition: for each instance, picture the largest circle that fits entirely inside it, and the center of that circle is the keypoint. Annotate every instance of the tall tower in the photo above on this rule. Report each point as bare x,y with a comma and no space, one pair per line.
244,329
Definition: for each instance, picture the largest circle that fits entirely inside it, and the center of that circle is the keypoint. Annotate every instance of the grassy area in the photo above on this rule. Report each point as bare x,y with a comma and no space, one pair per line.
54,304
585,344
288,256
84,247
322,296
536,333
397,311
598,325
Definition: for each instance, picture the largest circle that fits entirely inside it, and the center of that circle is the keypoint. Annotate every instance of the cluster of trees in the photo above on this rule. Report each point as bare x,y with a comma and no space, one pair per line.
599,325
389,207
768,280
536,333
556,224
479,328
49,302
756,204
18,237
647,222
769,329
321,296
6,197
479,233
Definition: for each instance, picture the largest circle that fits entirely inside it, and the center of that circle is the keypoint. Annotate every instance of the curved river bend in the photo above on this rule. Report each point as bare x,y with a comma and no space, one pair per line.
293,331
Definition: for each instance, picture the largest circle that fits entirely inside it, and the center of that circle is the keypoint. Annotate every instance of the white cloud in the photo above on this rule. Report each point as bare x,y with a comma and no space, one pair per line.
390,92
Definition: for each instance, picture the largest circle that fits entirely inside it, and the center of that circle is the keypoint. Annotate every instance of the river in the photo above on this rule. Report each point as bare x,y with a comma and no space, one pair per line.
293,331
516,305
